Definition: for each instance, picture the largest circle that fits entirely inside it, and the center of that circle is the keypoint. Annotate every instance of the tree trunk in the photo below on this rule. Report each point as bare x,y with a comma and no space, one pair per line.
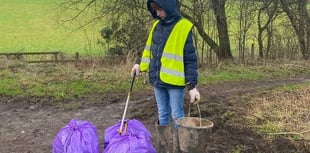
300,21
224,51
261,28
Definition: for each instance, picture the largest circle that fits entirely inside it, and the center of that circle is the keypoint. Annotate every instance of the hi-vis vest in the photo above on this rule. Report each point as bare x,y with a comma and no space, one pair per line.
172,65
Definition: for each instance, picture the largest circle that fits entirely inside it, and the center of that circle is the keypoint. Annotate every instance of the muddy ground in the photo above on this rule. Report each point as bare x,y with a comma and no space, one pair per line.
29,124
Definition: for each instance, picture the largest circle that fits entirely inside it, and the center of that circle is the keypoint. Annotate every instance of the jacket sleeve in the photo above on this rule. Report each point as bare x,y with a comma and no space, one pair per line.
190,63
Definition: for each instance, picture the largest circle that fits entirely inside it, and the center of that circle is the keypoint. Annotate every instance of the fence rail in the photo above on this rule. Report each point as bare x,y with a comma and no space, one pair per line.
56,56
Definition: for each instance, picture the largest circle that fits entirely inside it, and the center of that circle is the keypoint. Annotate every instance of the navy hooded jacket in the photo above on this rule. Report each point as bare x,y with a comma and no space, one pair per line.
160,36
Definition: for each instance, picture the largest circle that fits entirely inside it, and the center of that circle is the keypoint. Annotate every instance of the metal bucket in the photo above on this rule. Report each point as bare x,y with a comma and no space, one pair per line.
193,133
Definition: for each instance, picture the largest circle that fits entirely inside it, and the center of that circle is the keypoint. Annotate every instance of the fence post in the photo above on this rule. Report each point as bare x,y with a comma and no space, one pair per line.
77,56
56,57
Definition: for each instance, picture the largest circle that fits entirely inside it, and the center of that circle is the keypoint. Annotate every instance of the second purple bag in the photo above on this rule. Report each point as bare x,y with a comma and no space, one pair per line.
136,139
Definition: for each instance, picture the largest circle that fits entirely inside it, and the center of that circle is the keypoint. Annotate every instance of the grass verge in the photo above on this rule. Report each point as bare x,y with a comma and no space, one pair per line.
70,81
283,111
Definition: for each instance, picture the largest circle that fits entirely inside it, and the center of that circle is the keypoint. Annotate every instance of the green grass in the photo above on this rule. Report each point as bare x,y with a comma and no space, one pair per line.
62,90
36,25
269,127
293,87
60,81
281,111
9,86
33,25
239,73
66,81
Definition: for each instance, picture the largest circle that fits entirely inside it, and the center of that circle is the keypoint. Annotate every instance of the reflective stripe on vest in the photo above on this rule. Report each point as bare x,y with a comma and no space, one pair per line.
172,66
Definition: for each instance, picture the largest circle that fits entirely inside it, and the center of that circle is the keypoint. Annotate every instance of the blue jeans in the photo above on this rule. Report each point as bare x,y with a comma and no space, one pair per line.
169,104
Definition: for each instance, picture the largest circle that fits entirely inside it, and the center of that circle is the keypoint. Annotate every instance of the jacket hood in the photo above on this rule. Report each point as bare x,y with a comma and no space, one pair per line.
169,6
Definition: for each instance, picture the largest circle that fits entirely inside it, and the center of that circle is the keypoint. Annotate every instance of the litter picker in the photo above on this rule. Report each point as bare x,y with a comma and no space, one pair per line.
120,130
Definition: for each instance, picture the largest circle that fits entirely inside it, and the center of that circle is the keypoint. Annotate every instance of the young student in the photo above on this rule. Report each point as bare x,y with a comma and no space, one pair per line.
170,59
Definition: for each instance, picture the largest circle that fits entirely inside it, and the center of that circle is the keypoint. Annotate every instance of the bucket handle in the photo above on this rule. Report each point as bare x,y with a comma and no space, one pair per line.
189,112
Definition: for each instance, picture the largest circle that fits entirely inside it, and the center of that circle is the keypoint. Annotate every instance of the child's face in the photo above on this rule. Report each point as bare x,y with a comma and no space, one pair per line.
159,11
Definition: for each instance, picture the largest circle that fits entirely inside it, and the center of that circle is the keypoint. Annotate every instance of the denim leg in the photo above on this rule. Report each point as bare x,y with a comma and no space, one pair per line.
176,97
169,104
163,105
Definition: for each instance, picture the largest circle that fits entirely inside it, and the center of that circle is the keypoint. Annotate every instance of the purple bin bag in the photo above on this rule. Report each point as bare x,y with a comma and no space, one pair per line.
76,137
136,139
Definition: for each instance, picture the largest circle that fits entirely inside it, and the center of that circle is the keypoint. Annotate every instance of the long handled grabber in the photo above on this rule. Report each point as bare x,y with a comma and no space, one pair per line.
123,123
128,135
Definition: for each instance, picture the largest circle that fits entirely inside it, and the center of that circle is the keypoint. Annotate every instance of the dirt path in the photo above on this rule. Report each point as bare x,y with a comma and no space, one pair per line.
29,124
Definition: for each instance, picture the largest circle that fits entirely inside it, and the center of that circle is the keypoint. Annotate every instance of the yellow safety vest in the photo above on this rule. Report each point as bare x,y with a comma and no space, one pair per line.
172,65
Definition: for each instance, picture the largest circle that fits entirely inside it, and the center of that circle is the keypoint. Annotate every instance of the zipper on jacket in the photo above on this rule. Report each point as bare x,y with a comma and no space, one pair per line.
161,30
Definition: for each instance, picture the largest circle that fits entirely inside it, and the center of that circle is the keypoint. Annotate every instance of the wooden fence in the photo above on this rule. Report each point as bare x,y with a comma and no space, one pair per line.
45,57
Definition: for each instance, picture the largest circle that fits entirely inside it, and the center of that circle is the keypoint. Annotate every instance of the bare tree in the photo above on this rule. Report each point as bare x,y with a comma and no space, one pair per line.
296,10
224,51
133,22
200,13
221,49
270,8
125,23
246,10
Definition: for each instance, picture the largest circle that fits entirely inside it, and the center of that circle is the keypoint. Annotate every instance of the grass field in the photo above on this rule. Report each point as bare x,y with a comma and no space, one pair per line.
37,25
33,25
